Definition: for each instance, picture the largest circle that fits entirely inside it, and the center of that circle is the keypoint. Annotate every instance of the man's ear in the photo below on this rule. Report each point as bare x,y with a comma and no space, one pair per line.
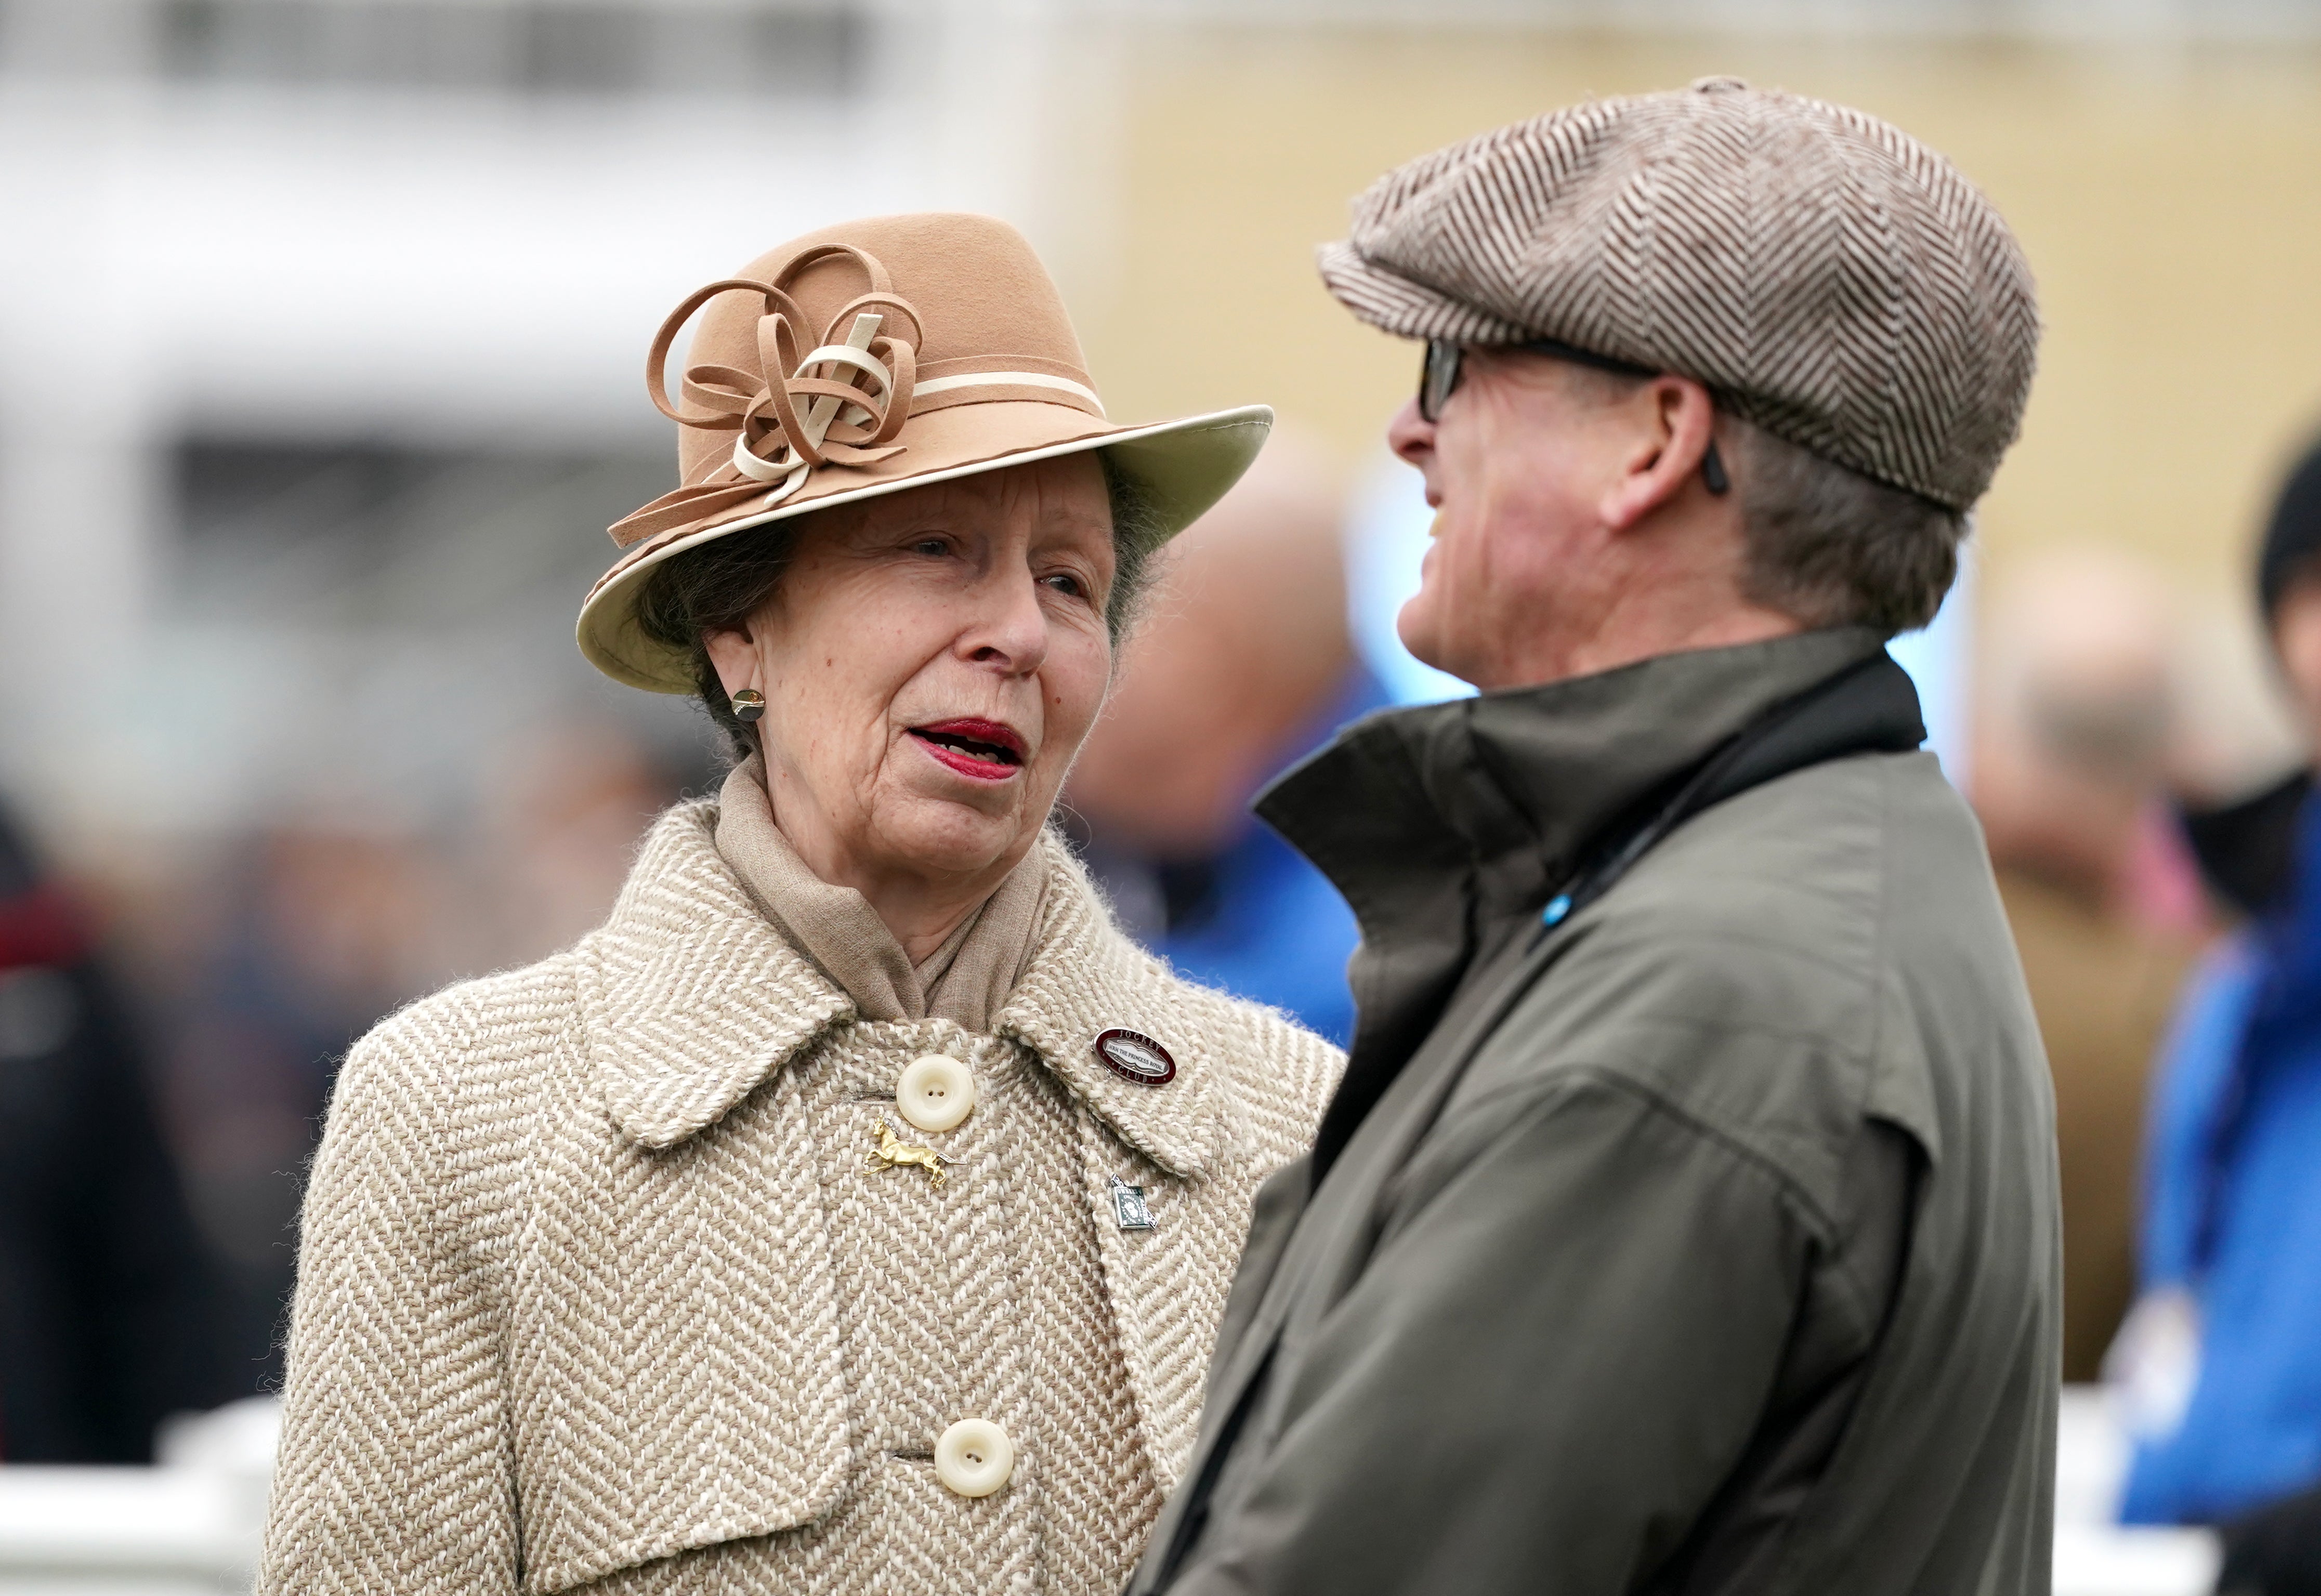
1672,421
734,655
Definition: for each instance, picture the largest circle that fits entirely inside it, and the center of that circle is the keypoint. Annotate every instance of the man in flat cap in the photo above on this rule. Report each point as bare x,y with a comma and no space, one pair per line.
1687,1219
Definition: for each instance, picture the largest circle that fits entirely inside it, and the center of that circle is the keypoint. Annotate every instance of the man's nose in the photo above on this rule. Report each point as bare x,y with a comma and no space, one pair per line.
1410,435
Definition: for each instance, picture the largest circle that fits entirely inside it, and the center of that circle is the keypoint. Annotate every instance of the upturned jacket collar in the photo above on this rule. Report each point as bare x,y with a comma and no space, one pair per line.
1509,788
693,1000
1446,825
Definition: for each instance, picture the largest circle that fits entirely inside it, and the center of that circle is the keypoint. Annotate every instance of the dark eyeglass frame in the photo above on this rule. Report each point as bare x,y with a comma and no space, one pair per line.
1439,371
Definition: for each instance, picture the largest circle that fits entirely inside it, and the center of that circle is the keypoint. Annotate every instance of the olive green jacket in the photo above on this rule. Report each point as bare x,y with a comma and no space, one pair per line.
1704,1242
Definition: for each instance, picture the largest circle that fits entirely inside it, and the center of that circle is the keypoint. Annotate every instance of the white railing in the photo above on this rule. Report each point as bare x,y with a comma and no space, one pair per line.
190,1525
2095,1554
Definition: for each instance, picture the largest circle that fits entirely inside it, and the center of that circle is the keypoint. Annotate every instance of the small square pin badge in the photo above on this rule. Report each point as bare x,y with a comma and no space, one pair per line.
1128,1206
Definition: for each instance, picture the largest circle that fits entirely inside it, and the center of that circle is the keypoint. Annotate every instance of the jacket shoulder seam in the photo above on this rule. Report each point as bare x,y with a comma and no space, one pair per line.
1609,1078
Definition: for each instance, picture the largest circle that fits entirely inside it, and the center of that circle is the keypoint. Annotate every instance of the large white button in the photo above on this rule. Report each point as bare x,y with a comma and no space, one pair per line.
974,1458
935,1092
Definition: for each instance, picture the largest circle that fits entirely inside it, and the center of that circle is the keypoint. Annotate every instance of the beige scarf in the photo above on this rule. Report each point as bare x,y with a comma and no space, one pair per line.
966,980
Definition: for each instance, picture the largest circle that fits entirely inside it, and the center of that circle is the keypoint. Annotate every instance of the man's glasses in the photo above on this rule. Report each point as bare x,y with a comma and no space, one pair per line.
1438,379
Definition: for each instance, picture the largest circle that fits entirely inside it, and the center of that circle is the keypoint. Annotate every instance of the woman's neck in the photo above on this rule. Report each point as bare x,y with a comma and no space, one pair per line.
921,908
921,914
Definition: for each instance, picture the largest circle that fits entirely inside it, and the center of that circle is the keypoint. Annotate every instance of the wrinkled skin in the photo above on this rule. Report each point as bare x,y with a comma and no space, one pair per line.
980,600
1572,533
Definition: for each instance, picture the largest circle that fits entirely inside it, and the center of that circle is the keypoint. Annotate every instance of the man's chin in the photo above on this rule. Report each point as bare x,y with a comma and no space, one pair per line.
1421,632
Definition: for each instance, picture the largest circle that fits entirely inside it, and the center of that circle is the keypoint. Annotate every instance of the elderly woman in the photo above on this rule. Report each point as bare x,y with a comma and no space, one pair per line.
854,1210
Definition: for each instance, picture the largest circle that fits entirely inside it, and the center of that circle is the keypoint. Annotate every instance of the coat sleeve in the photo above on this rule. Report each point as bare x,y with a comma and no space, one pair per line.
393,1473
1558,1348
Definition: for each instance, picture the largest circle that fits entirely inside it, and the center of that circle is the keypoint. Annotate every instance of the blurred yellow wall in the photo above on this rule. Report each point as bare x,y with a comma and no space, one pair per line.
2169,201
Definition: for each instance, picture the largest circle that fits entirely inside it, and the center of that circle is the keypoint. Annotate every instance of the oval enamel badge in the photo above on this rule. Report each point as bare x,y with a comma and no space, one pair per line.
1135,1057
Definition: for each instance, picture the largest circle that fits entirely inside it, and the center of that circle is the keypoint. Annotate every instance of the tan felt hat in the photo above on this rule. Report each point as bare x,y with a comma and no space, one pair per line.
866,358
1827,276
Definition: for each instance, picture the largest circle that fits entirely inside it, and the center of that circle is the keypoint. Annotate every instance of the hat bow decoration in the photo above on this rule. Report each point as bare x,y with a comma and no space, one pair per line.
840,403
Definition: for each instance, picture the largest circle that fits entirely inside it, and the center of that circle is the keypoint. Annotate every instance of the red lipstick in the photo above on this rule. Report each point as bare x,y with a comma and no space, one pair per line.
983,750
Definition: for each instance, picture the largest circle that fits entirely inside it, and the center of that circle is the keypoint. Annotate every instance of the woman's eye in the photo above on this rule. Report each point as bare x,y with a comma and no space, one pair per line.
1064,582
933,548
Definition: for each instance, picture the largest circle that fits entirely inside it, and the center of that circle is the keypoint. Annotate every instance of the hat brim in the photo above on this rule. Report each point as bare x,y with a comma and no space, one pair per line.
1185,465
1404,306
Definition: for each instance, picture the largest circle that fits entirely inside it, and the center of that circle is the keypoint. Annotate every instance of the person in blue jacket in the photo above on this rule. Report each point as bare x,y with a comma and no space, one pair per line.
2221,1359
1253,917
1244,666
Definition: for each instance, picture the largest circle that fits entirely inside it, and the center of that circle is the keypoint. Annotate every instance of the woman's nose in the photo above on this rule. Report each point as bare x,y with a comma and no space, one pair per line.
1010,631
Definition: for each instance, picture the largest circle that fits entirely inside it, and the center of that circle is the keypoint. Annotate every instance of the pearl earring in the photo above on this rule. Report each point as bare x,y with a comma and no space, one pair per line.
748,704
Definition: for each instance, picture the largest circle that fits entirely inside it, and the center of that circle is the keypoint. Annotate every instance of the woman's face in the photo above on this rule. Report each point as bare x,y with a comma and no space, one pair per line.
930,662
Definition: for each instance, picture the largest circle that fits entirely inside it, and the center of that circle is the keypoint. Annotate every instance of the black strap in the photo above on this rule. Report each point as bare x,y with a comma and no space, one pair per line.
1868,708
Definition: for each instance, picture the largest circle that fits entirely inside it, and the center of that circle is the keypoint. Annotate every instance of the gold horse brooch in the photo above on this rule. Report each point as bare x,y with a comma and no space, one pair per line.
893,1152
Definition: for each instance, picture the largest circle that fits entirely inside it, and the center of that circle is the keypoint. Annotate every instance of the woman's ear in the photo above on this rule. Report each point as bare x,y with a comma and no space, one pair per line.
734,655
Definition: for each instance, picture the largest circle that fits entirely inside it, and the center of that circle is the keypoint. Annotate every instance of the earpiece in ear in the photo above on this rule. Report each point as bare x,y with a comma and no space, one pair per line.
1712,471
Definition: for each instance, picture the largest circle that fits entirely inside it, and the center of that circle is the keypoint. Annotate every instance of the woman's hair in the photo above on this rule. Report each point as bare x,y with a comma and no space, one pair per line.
719,585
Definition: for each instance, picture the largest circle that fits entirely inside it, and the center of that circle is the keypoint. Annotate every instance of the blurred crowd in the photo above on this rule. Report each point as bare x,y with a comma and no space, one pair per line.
169,1028
166,1042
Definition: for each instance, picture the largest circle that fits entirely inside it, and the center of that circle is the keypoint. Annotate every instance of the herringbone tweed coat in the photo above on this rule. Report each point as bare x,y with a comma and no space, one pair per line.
595,1291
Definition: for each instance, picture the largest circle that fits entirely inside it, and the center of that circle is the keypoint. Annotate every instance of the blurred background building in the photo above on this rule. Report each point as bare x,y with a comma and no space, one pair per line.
320,327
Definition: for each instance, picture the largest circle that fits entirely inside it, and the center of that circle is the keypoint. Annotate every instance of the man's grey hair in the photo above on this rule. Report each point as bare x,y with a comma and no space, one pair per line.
1826,546
1830,546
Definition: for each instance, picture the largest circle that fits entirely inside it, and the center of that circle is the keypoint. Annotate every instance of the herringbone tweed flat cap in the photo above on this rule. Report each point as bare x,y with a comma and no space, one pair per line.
1827,276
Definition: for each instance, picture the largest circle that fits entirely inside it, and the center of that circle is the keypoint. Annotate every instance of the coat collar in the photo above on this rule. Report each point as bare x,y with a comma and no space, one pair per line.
695,999
1508,789
1448,827
691,999
1084,977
